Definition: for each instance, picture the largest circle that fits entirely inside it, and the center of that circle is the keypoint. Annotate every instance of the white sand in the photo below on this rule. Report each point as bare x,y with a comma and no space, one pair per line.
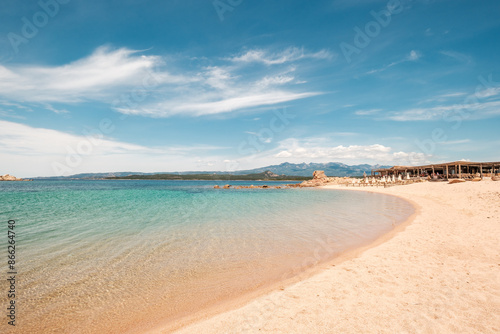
439,274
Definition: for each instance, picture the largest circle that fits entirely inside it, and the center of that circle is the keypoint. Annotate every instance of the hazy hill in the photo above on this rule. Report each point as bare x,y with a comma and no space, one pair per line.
286,168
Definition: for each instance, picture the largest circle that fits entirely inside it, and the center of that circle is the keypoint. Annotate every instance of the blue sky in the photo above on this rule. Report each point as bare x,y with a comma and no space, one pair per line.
97,86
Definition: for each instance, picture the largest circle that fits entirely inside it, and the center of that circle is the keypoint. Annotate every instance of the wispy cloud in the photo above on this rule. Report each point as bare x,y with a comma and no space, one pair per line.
412,56
474,111
15,105
205,107
460,57
366,112
455,142
57,111
443,97
107,75
93,78
288,55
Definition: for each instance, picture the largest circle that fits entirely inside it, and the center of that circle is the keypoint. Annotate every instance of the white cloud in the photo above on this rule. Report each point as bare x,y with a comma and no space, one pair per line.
15,105
471,111
218,78
275,80
206,107
144,85
443,98
59,153
321,149
95,77
57,111
288,55
488,92
367,112
414,55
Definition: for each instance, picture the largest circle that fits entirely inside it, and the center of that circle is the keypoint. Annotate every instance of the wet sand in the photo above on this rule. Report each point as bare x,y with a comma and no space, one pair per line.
439,272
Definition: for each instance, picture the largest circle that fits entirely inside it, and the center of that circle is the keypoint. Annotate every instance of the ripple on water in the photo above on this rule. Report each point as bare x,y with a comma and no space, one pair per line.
108,255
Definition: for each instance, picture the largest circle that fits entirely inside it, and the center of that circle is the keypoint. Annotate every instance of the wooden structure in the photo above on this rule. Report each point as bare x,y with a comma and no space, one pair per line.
456,169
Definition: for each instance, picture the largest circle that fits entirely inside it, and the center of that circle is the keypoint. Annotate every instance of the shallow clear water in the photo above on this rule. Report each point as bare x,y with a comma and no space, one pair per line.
112,256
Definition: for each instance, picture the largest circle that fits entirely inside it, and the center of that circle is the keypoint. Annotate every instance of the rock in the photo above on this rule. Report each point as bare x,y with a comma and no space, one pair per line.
456,181
8,177
319,174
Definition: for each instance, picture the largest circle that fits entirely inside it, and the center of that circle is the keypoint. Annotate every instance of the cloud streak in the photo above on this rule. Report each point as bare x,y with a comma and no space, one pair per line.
472,110
412,56
288,55
78,153
91,78
107,75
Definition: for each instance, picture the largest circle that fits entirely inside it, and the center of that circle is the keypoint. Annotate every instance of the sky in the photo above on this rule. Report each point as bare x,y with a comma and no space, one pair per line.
204,85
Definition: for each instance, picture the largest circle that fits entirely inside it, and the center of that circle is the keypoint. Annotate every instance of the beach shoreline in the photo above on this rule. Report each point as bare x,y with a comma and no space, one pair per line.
426,274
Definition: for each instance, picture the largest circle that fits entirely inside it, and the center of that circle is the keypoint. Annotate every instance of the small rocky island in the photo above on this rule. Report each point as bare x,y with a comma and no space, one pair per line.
319,179
8,177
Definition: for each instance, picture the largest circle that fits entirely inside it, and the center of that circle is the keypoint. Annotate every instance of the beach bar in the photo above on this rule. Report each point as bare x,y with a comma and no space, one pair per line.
447,170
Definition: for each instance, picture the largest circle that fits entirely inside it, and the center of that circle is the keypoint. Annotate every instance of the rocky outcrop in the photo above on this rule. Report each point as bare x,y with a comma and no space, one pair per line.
8,177
319,179
319,175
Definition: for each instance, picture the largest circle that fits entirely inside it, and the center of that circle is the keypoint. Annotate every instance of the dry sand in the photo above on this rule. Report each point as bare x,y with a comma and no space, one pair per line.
439,273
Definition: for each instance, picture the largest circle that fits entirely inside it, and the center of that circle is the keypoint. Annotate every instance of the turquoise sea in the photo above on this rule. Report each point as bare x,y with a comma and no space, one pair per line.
116,256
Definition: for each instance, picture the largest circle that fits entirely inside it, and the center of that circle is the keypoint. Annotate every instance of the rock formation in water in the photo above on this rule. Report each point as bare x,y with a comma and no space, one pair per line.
319,179
319,174
8,177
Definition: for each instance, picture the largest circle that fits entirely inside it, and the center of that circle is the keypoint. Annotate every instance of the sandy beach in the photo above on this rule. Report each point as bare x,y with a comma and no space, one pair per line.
439,272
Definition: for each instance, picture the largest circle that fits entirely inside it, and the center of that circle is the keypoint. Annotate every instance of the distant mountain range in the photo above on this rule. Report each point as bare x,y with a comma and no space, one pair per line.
286,168
307,169
264,176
